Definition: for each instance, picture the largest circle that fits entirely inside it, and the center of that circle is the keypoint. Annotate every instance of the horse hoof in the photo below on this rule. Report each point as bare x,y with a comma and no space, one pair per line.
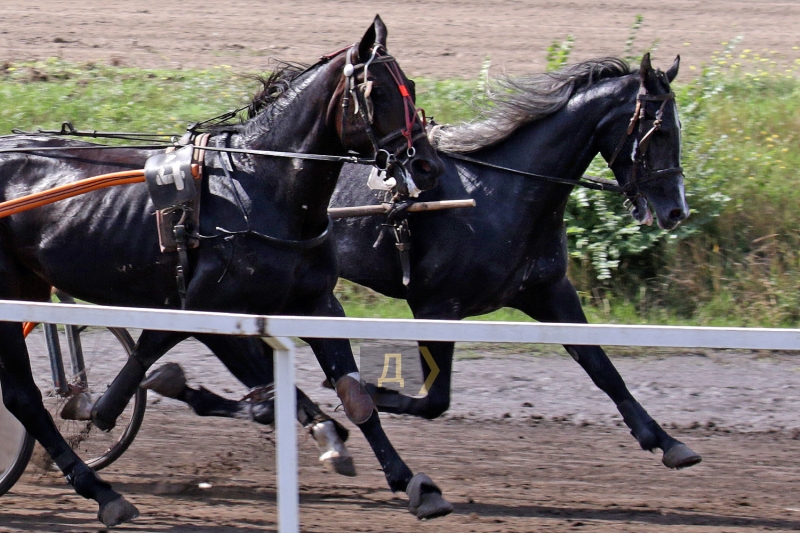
79,407
167,380
335,457
116,512
102,424
680,456
338,464
425,498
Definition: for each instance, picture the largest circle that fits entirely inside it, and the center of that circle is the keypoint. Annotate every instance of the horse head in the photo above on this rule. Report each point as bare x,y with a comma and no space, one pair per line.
377,114
652,173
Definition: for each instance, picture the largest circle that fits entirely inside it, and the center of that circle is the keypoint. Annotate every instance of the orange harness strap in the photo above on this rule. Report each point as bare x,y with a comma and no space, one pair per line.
18,205
69,190
27,327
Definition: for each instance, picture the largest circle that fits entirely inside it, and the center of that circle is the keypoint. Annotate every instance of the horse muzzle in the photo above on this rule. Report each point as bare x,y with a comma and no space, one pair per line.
416,174
668,202
424,171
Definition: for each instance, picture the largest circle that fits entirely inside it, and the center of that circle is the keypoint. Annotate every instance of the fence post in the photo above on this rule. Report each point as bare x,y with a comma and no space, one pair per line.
285,435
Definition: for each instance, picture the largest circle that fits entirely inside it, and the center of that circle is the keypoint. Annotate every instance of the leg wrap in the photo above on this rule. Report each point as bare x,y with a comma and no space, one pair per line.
639,422
309,414
89,485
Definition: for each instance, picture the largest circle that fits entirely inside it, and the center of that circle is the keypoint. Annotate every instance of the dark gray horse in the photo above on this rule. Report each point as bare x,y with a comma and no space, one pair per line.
510,250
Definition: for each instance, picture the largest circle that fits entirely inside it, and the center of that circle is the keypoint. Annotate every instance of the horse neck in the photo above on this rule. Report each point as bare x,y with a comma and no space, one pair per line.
299,190
563,144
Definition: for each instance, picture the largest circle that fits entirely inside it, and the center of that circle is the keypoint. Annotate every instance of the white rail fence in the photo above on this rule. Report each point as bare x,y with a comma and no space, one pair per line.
276,330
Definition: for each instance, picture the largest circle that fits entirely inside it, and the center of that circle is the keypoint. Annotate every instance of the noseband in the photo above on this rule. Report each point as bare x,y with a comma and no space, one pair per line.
642,142
361,92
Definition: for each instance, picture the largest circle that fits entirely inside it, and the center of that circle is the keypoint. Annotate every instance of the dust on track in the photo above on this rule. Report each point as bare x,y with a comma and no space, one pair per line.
502,475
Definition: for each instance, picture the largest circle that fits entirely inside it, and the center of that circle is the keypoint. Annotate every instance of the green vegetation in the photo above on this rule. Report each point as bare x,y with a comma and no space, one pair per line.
734,262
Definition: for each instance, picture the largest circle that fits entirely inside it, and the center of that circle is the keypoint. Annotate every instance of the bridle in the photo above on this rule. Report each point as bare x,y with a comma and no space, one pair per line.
385,157
646,130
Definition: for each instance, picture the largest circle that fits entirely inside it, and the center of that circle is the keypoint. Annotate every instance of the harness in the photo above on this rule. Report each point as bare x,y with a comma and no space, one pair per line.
642,142
414,129
397,218
173,176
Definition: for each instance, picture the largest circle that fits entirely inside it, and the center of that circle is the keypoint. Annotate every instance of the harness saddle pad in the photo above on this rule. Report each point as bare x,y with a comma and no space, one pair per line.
164,176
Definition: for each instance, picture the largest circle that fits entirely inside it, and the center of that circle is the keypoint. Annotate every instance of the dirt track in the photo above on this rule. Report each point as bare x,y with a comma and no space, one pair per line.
560,461
437,38
529,445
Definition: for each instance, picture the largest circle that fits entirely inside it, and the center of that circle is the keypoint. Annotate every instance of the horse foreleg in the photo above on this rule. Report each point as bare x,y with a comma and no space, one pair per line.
24,400
559,302
337,361
149,349
250,361
425,498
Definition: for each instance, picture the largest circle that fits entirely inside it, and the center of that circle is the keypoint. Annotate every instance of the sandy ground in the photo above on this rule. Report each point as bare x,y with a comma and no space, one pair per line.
431,38
528,445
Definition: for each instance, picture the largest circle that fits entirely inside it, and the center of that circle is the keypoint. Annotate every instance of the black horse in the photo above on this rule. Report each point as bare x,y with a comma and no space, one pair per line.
262,238
510,250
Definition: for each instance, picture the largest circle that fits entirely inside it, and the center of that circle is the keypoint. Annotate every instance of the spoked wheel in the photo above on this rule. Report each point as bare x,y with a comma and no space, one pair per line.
101,353
16,447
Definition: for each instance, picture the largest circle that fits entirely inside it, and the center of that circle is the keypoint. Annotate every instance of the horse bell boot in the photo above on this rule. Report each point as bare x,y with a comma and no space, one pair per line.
356,400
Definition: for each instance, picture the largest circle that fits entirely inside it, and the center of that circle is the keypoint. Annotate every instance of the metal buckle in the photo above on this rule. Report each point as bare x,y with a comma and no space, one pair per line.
388,159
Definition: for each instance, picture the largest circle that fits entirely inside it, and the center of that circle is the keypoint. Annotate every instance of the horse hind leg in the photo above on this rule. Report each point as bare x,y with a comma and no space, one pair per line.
436,359
150,347
23,399
169,380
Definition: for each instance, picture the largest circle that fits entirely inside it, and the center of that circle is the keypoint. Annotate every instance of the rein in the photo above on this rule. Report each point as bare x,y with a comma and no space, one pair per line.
589,182
382,158
128,136
361,94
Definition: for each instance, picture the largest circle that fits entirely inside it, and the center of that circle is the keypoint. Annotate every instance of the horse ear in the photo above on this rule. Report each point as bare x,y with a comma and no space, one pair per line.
645,68
381,33
672,71
376,34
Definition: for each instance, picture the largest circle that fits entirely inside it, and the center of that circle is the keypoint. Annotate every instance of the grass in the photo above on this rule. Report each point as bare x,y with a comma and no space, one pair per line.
735,261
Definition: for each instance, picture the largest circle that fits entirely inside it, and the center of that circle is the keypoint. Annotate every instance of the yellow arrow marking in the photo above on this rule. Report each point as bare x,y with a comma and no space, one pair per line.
426,354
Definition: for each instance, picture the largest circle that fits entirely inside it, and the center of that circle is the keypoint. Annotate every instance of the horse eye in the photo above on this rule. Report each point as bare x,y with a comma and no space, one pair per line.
378,92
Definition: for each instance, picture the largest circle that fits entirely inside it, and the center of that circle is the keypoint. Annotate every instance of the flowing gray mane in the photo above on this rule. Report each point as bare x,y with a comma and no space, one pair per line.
518,101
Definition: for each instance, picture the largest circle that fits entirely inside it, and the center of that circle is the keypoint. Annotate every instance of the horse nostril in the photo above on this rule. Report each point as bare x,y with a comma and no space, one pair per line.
676,215
421,167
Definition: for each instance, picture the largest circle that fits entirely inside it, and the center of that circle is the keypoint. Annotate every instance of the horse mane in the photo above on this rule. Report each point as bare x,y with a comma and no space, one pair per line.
516,101
272,88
